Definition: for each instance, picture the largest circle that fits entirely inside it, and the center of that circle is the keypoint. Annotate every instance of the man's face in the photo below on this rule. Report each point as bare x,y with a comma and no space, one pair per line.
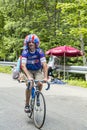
31,46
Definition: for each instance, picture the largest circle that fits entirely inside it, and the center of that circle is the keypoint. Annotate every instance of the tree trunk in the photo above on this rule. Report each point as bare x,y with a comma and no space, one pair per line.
82,48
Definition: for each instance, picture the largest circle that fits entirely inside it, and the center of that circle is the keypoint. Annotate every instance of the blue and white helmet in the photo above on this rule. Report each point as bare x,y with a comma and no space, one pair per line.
31,38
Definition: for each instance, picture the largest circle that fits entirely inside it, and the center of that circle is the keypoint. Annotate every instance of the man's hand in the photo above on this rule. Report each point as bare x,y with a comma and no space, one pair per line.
45,80
30,78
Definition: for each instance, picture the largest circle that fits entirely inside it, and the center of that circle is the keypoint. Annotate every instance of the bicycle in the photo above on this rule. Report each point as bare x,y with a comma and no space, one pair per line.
37,112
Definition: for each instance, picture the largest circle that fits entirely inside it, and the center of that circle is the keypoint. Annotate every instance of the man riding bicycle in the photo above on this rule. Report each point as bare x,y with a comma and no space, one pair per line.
33,60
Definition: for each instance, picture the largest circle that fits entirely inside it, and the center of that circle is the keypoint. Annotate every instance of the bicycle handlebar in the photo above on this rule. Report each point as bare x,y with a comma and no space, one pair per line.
36,81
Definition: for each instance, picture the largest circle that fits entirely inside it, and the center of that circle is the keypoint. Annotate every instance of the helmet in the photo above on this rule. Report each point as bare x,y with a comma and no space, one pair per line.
31,38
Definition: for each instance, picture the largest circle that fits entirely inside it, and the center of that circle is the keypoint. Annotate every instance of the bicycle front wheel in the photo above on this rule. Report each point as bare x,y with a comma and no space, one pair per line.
39,112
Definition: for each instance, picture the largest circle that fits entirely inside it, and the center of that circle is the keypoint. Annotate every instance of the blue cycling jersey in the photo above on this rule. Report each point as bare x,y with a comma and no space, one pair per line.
33,60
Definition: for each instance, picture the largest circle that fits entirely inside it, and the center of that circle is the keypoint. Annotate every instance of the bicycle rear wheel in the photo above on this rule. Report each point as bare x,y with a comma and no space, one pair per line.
39,112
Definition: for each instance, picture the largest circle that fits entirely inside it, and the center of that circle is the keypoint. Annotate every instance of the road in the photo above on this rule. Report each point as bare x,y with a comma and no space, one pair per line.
66,107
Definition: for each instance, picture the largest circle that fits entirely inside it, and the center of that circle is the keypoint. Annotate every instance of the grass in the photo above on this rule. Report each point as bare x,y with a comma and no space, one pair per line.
79,82
6,69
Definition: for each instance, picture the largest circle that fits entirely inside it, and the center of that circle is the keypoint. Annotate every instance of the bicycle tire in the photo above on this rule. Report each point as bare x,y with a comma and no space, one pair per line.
38,110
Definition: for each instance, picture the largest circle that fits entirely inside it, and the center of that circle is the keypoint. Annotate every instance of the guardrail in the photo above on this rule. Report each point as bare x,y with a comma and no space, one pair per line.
6,63
60,68
73,69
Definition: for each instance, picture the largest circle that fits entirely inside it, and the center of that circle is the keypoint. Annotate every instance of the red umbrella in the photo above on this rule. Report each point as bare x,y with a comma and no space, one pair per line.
66,51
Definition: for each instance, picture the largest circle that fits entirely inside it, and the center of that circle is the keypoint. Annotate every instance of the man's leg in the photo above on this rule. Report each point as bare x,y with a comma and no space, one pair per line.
27,95
39,76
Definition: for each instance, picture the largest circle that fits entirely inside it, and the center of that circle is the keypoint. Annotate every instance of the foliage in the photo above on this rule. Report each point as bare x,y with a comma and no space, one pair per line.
62,22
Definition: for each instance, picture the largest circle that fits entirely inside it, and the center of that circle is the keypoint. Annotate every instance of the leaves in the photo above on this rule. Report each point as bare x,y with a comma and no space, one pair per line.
56,23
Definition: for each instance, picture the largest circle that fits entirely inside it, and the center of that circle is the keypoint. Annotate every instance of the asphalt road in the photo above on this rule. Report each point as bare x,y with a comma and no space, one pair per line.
66,107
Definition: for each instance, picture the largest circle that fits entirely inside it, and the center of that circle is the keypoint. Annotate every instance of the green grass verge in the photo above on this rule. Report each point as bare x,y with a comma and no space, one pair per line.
6,69
80,83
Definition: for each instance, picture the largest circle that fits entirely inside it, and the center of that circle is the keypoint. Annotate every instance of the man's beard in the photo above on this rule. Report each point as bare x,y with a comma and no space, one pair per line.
31,48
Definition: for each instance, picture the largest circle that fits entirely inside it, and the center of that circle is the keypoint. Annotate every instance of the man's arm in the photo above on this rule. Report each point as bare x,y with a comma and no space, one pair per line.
25,70
45,70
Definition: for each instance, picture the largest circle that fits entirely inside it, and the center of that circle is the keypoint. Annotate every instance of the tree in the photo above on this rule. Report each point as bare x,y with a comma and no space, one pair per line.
55,22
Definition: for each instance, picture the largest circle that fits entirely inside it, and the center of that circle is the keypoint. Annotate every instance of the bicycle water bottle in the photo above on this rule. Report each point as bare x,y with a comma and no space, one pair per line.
33,92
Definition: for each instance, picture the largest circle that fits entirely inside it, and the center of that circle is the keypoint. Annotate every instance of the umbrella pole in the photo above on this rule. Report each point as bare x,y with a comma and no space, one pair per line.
64,66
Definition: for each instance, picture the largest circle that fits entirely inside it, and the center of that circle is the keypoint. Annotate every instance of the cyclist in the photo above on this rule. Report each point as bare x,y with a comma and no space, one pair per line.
33,60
